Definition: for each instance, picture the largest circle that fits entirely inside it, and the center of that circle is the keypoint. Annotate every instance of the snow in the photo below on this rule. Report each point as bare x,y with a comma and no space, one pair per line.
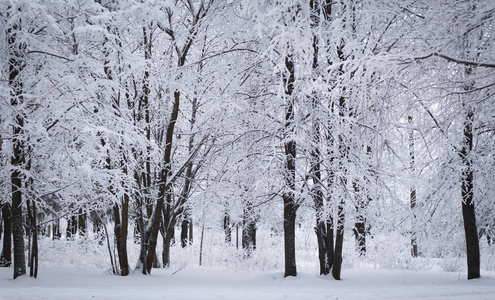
209,283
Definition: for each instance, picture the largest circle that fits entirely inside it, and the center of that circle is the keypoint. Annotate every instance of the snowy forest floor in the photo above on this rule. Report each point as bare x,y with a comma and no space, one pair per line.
80,269
210,283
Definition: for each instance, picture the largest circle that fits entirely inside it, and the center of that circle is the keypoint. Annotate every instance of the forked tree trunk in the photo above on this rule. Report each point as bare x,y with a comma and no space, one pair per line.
156,218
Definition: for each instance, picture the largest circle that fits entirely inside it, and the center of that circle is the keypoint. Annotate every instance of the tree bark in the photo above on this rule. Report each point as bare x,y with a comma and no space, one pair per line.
467,192
16,65
33,263
290,207
339,243
156,218
248,230
412,193
227,228
184,228
6,257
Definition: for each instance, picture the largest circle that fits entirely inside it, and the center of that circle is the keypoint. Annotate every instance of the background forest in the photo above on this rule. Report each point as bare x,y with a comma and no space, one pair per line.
156,131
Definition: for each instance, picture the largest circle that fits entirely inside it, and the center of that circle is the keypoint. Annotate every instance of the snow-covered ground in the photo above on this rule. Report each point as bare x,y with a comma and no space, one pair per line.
208,283
80,270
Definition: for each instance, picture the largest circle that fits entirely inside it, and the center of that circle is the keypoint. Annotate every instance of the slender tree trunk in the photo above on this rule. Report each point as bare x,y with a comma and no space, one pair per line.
290,207
227,228
33,264
6,257
468,209
81,223
343,160
248,230
56,234
412,193
339,243
191,230
360,220
184,241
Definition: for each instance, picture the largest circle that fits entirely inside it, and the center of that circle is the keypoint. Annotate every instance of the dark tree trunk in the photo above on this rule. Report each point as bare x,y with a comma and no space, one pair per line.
289,238
227,228
339,243
33,263
360,229
16,65
18,226
56,234
6,257
468,209
184,228
343,160
290,207
81,222
71,227
322,232
412,193
167,242
162,192
360,235
248,230
237,235
191,231
120,231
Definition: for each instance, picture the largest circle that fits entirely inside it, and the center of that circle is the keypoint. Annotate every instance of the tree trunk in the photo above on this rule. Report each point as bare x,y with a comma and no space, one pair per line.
121,217
6,257
81,222
16,64
412,193
360,219
156,218
248,230
339,243
290,207
184,241
227,228
33,264
468,209
56,234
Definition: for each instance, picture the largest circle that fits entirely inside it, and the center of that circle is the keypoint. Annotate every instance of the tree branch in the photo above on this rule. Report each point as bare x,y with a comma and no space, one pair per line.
50,54
457,60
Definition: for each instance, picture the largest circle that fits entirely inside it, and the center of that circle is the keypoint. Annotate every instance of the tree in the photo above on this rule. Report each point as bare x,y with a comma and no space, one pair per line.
16,65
